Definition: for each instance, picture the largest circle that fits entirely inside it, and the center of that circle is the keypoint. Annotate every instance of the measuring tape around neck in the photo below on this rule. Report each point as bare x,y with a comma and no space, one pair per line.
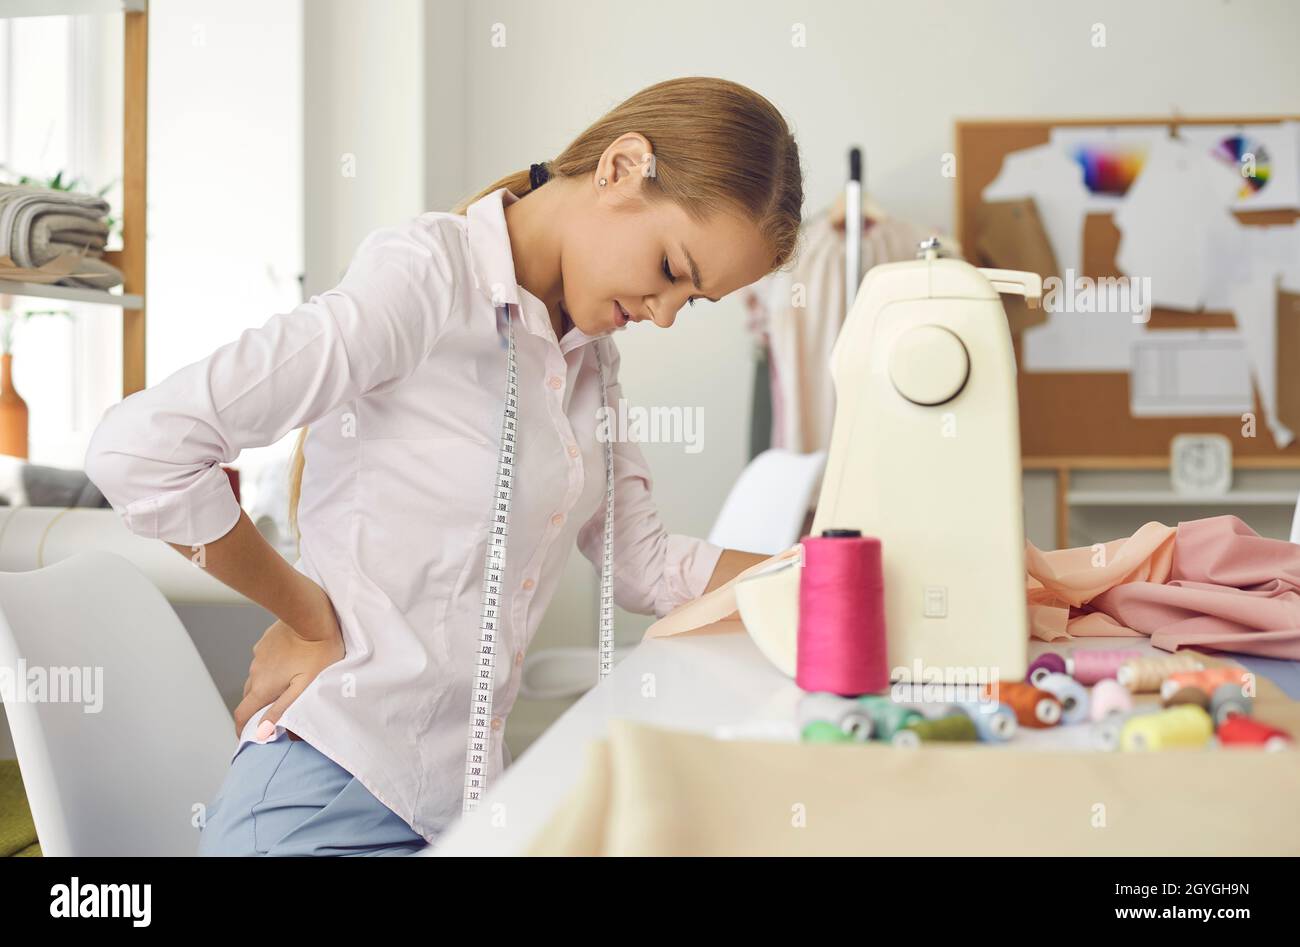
478,747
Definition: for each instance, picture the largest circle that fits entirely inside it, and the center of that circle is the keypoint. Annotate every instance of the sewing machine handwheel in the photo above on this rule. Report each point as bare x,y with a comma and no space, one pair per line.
929,365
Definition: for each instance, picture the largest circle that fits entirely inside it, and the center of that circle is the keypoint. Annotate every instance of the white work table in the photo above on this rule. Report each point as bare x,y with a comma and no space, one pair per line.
716,683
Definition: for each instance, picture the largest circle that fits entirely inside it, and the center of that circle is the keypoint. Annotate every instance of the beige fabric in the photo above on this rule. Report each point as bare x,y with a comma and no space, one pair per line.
715,606
648,791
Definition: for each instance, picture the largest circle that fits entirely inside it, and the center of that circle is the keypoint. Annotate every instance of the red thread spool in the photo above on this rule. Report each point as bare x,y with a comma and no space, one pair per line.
841,641
1240,730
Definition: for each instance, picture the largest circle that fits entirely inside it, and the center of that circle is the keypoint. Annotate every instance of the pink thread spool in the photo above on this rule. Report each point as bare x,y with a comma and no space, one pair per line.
841,641
1088,666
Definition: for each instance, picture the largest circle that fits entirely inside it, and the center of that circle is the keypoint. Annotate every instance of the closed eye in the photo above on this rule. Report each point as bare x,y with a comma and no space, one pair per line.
668,272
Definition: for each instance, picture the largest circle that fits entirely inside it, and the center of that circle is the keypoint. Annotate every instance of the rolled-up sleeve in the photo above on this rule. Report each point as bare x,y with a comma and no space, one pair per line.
156,454
654,570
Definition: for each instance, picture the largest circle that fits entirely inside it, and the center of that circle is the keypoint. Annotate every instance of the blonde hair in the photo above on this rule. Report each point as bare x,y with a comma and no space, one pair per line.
718,147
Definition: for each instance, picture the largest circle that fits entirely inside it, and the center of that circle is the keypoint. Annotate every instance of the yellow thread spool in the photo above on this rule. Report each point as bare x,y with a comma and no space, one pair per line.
1184,726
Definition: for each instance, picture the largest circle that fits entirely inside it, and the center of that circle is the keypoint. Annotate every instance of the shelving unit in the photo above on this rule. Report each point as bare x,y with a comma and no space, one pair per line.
1067,497
135,109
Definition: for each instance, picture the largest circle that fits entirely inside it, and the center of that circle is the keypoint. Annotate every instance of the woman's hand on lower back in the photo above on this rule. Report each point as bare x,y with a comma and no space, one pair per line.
286,660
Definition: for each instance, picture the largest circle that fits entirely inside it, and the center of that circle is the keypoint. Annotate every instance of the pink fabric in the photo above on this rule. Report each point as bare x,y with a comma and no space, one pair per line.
1212,583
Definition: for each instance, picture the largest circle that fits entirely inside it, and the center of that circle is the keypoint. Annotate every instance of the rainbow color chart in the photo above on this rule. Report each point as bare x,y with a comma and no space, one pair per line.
1110,168
1237,150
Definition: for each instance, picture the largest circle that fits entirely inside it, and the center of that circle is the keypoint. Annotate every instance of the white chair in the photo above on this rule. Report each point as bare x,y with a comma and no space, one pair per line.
766,507
130,778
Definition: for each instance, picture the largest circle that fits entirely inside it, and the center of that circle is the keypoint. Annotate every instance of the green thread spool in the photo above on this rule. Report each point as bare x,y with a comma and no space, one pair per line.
887,717
954,728
823,731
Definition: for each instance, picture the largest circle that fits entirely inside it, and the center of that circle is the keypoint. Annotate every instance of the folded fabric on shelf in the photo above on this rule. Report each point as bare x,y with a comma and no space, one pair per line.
53,234
39,224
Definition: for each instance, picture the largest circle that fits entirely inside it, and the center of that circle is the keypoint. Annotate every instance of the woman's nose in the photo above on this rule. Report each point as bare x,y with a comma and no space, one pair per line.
664,313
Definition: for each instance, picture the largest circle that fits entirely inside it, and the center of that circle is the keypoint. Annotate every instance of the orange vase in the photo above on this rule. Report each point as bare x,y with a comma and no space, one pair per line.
13,412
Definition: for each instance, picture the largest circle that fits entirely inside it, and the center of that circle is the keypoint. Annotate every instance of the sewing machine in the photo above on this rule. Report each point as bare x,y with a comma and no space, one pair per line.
925,456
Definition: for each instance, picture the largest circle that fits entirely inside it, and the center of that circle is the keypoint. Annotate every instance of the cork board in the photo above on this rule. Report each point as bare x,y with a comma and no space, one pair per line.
1086,414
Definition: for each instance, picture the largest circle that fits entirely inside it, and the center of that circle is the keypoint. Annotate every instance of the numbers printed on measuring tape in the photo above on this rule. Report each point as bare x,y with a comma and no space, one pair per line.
479,742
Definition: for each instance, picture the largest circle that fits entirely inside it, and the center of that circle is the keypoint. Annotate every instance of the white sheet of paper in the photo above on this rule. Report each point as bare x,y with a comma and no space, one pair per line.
1254,305
1166,222
1081,342
1190,373
1055,182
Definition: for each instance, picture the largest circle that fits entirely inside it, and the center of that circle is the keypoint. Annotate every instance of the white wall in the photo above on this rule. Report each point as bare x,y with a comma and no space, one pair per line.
225,181
364,145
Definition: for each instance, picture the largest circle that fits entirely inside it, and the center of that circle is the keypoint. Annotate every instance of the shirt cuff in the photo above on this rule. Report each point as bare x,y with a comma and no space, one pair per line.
201,513
688,565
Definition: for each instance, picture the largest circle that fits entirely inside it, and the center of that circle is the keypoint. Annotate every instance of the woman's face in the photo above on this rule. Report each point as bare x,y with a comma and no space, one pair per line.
625,259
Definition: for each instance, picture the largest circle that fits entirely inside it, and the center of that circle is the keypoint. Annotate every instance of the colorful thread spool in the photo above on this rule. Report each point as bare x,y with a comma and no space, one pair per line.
845,714
1072,695
1109,697
1229,698
841,636
887,717
1240,730
1033,706
1145,675
1184,727
1044,664
1089,666
1207,679
954,728
994,723
1187,695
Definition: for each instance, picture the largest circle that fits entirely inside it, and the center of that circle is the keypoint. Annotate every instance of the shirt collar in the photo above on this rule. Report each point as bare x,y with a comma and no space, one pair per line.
493,267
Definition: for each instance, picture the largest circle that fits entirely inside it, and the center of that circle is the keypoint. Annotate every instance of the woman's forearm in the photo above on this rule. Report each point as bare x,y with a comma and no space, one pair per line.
245,561
731,563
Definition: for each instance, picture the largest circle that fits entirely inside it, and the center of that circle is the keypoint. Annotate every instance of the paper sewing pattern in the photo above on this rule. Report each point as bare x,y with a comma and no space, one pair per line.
1055,182
1172,201
1181,197
1190,373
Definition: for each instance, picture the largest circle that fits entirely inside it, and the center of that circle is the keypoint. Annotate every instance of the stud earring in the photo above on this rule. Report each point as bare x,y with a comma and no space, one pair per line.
602,182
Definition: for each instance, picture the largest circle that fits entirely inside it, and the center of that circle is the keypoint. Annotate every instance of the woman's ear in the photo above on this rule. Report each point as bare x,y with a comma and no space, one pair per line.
623,167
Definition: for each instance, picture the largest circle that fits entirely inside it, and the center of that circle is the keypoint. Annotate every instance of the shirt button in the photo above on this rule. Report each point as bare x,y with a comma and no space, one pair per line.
529,583
496,723
557,519
555,381
573,450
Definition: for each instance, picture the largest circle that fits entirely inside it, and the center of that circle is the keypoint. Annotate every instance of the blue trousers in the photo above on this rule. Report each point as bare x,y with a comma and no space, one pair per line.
287,798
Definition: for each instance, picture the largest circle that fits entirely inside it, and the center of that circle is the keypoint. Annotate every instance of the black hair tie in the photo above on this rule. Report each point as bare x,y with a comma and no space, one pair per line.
538,174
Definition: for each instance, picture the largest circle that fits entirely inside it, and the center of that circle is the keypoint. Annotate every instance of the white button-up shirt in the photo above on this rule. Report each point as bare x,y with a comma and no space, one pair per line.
401,375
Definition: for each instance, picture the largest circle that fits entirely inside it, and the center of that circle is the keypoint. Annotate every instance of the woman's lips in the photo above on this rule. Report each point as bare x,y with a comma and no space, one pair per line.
620,315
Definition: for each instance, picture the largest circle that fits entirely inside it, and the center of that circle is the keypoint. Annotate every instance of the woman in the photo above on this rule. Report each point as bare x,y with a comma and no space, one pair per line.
354,718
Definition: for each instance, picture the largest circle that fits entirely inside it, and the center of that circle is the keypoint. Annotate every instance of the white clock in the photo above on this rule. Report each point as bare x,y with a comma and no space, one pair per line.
1201,464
